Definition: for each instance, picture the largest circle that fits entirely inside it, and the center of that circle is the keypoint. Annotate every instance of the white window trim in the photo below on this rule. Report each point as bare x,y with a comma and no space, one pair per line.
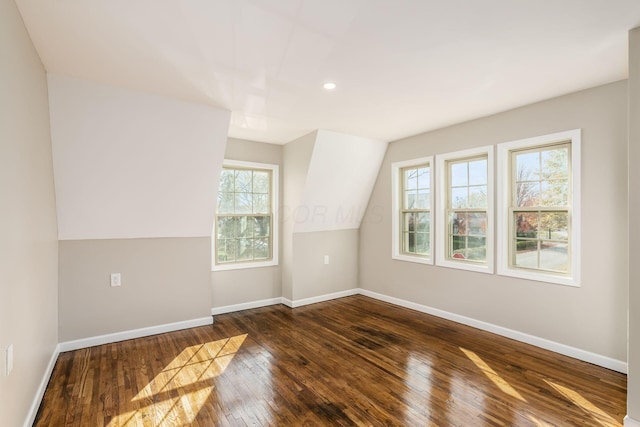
503,198
274,226
441,210
397,206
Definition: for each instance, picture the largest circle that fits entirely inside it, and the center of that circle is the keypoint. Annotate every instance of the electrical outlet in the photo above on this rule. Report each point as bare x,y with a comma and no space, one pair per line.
115,279
326,260
9,359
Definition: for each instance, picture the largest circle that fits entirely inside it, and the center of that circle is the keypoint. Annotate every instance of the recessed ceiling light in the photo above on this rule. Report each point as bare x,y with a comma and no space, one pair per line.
329,86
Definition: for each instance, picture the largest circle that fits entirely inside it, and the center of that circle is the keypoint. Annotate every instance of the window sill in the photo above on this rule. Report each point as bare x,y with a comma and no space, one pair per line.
416,259
244,265
539,277
478,268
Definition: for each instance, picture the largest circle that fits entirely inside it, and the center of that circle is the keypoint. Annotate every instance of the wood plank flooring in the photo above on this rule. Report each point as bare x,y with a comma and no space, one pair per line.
352,361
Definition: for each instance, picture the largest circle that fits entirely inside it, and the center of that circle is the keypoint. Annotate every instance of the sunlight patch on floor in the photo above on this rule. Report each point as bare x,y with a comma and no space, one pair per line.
180,390
492,375
579,400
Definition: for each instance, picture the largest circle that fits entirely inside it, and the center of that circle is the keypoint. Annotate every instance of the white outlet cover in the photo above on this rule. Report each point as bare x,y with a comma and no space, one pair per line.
9,359
115,279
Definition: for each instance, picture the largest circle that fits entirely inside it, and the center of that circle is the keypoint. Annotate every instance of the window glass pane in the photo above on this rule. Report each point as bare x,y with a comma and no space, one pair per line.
262,226
527,253
261,249
423,199
410,179
423,222
243,181
527,194
526,224
422,243
459,197
478,172
245,249
226,180
225,203
458,247
226,227
554,225
227,250
260,182
555,163
478,196
527,166
554,193
244,227
410,199
459,177
554,256
244,203
409,242
409,222
459,223
424,178
260,203
477,248
477,223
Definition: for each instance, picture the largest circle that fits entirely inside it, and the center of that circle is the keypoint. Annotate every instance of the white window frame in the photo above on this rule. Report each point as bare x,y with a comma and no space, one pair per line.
396,194
274,169
441,207
504,151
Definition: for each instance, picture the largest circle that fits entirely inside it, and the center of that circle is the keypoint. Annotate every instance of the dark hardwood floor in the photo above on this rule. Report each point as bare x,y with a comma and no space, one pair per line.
352,361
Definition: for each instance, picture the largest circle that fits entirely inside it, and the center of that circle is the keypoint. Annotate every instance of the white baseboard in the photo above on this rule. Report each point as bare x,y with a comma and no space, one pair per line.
576,353
135,333
630,422
42,387
245,306
320,298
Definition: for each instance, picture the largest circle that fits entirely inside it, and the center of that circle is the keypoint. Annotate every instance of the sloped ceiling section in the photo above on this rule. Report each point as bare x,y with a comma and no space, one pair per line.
342,172
129,164
402,67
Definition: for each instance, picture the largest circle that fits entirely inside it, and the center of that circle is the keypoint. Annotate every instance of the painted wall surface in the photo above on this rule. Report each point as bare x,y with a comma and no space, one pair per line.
130,164
339,182
592,317
252,284
312,277
164,280
633,378
296,159
28,246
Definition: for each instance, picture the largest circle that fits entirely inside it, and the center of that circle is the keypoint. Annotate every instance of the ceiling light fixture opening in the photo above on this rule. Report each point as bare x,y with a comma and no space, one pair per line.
329,86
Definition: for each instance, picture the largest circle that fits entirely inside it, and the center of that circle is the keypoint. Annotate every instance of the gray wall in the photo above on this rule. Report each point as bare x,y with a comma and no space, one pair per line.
251,284
164,280
28,246
312,277
297,158
591,317
633,383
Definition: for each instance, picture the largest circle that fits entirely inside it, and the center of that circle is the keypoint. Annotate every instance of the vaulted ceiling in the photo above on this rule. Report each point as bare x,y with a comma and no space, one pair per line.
401,67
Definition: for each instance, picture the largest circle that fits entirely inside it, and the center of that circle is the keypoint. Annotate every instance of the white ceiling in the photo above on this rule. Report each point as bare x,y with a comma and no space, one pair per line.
402,66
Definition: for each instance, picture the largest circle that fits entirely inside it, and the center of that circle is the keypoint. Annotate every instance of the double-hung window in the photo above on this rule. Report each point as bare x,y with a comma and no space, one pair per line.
465,200
412,184
246,224
540,210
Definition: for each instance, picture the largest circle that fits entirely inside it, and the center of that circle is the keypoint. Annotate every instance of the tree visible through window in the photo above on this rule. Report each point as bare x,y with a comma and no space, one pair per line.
467,209
244,216
416,214
540,208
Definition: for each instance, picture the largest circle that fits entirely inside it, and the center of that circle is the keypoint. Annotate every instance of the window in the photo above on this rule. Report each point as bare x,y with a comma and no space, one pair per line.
412,183
540,210
246,224
465,238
